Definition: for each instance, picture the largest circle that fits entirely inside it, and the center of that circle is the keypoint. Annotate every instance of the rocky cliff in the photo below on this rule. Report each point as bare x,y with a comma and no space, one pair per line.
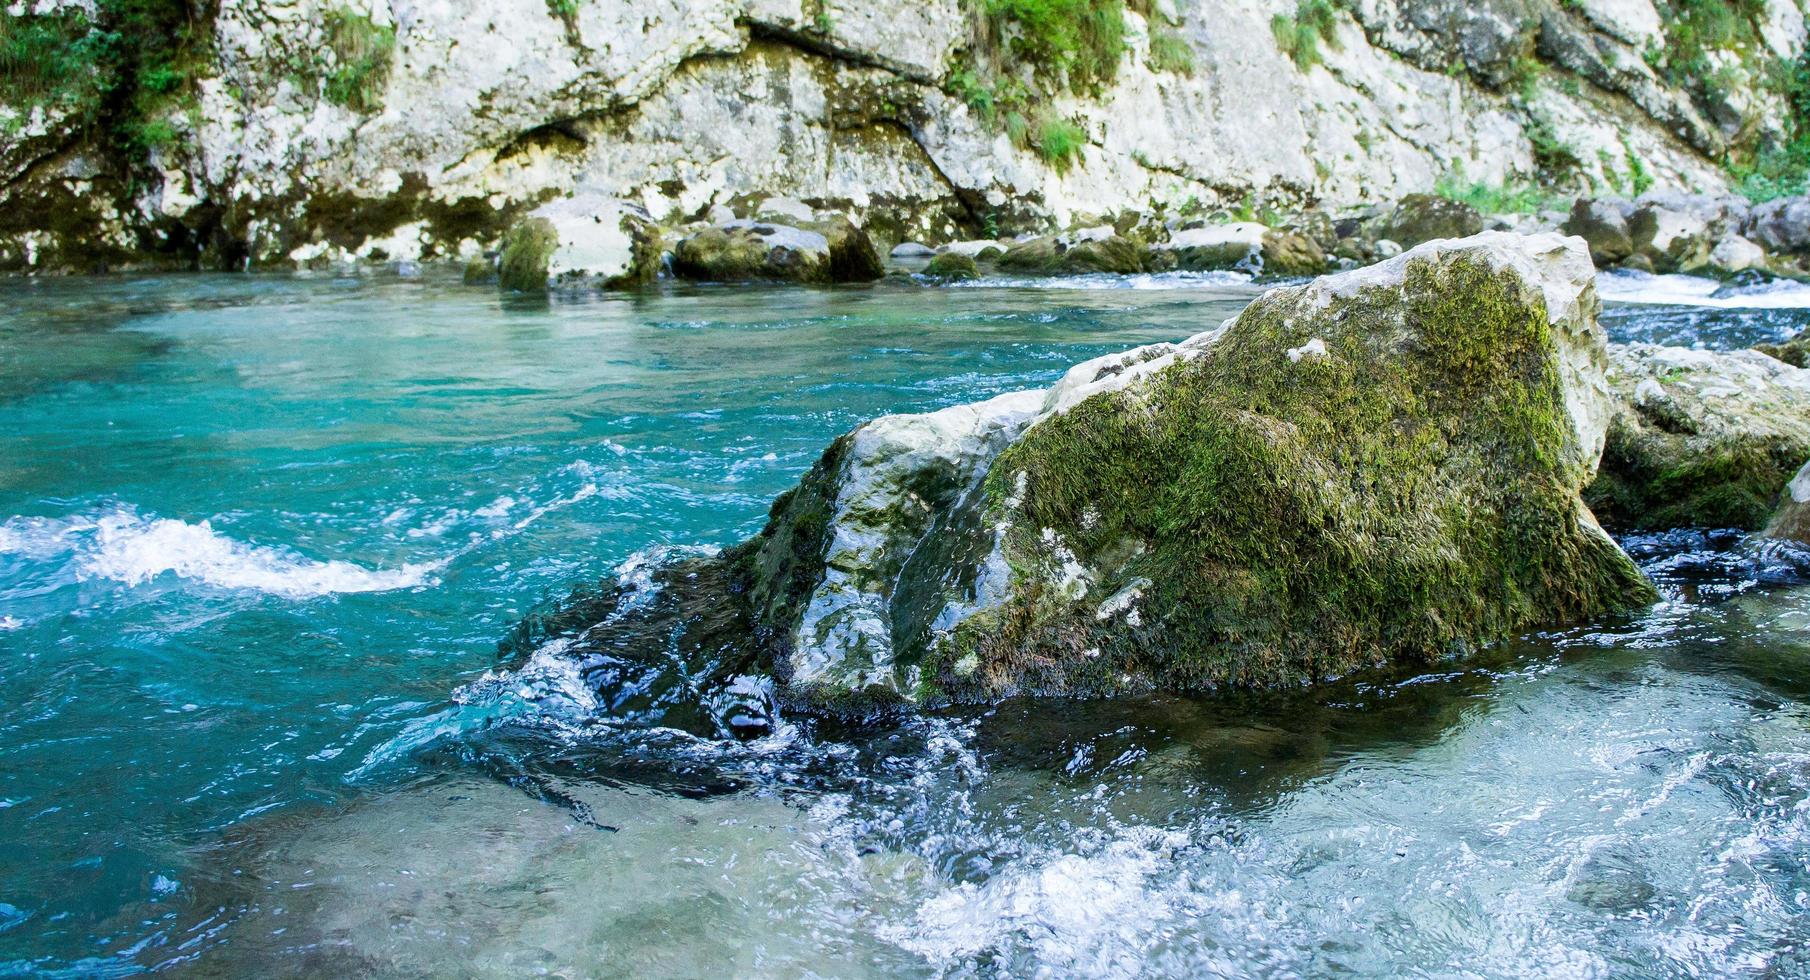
228,133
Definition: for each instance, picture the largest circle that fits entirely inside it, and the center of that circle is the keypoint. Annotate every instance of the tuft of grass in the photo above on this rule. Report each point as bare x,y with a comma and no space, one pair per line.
1640,180
1072,44
1694,29
1300,36
1027,51
1513,198
1170,52
362,52
1059,142
1552,156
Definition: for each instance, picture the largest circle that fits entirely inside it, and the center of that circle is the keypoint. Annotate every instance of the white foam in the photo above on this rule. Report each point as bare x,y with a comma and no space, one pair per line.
1679,290
1159,280
123,546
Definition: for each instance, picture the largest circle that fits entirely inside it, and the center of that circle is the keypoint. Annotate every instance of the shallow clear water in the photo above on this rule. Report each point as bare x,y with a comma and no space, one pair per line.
260,537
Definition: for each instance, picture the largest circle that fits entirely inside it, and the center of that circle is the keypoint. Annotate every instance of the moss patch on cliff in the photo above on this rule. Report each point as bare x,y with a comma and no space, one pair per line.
1269,514
362,52
1027,50
1313,23
119,72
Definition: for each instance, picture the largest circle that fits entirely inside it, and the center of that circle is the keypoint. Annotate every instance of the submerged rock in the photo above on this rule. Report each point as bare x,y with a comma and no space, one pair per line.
1378,467
1700,438
833,250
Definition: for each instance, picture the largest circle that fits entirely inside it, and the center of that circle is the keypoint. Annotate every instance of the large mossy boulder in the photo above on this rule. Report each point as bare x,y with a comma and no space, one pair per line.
1700,438
820,252
1377,468
1421,218
1075,253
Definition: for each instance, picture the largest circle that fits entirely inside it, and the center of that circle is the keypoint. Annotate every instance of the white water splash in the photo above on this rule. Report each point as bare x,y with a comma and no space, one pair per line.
1238,281
1678,290
124,546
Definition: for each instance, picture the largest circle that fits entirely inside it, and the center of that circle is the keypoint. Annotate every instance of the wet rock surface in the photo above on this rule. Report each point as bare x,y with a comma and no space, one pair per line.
1700,438
1378,467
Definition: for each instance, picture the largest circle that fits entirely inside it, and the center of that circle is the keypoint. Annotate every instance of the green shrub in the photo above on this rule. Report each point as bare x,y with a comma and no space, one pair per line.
1782,168
1300,36
51,59
1694,28
118,72
362,52
1640,180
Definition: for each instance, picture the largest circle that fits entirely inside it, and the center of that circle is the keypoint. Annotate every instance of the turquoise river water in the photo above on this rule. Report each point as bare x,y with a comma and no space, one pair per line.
260,538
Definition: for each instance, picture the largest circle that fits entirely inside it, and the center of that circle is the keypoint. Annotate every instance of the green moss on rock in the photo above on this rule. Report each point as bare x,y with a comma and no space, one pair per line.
820,252
1291,253
1794,351
1063,255
1421,218
1700,438
527,251
952,266
1271,514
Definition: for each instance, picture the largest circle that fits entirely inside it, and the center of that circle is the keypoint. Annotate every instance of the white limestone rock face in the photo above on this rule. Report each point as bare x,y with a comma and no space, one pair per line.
601,241
903,479
1635,22
683,107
